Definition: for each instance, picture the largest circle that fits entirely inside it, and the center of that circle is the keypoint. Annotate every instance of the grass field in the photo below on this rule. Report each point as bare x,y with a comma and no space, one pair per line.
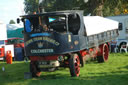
113,72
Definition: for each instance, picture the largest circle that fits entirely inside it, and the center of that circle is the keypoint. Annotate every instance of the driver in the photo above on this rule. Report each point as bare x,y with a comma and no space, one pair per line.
45,27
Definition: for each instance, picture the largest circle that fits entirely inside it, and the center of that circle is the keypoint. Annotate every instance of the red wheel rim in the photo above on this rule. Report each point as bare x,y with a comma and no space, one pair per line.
105,52
38,74
77,65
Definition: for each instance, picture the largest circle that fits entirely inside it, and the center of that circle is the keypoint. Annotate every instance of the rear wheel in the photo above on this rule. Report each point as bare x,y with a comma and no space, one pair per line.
34,69
104,53
74,65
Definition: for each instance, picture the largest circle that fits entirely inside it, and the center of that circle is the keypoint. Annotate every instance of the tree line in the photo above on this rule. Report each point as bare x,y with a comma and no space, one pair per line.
93,7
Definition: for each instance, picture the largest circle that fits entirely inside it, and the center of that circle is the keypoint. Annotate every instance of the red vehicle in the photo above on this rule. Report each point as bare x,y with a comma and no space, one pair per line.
2,52
17,42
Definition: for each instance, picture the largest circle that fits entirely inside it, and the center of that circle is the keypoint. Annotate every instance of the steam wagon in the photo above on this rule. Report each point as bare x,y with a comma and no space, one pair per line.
66,39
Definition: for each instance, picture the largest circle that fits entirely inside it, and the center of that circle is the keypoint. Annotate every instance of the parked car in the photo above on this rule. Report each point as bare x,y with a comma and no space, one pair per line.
122,39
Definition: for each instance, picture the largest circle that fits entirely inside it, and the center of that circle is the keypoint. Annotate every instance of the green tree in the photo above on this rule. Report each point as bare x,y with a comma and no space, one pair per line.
31,6
12,22
51,5
95,7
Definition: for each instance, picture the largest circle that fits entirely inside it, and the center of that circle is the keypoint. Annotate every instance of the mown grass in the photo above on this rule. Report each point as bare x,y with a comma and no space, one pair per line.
113,72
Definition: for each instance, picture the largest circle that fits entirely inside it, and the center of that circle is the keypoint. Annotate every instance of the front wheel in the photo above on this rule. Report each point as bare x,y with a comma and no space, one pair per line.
74,65
34,69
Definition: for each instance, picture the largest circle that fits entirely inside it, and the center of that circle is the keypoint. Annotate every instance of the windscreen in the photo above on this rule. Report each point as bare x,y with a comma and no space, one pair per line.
57,23
45,23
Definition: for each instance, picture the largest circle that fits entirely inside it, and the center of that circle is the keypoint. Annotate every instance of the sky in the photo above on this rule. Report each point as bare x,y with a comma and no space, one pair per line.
11,10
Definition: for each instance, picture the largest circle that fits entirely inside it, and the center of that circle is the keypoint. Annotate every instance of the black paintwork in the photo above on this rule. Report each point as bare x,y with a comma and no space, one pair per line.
64,43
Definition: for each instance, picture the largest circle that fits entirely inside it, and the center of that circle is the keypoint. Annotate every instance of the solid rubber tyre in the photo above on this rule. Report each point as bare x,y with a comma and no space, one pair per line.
104,53
34,70
74,65
82,62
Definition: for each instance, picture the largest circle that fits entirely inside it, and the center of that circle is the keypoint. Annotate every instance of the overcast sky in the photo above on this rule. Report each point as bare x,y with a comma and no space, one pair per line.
11,9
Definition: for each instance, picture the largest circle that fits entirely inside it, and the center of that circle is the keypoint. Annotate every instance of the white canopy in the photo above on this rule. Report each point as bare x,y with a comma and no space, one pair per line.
97,24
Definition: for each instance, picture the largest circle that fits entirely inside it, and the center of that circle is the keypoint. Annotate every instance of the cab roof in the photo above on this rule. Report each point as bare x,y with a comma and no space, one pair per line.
55,13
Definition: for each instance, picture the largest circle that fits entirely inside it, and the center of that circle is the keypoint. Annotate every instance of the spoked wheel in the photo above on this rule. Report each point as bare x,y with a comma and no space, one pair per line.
34,69
104,53
74,65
